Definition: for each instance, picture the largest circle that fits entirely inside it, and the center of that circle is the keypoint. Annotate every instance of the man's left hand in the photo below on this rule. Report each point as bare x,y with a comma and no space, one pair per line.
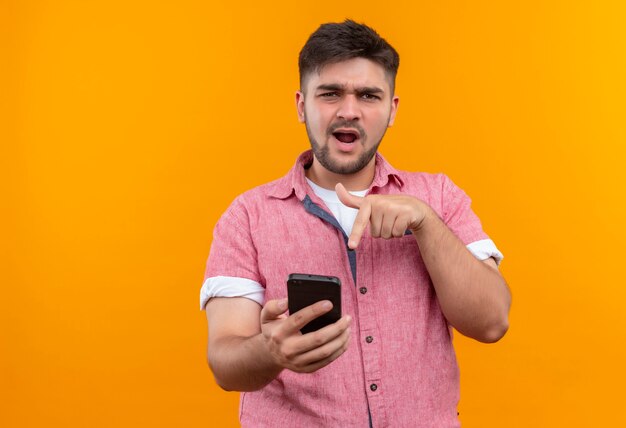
389,216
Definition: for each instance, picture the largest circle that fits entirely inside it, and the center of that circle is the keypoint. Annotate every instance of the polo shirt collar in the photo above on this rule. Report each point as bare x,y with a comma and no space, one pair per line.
295,180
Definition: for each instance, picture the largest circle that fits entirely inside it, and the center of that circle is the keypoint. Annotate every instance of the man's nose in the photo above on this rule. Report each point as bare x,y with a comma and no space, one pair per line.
349,108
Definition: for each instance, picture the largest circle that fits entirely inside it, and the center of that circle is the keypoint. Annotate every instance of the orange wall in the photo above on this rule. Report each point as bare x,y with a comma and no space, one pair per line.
128,127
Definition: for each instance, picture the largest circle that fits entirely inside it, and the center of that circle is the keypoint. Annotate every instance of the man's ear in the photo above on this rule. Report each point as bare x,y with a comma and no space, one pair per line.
300,106
394,108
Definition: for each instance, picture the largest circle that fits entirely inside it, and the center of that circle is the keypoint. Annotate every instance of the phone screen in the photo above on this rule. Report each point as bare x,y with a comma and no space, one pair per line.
305,289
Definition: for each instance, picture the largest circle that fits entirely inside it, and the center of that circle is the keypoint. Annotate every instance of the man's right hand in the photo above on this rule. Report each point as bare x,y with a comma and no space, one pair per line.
303,353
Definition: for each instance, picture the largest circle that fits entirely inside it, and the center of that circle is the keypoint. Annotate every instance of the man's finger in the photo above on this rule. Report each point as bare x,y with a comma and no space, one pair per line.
273,309
325,351
360,223
324,335
347,198
308,314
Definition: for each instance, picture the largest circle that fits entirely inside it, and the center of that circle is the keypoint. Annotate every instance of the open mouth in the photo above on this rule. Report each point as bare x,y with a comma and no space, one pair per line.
346,136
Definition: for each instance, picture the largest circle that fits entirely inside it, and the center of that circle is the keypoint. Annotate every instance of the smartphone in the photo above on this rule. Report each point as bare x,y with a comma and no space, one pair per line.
304,289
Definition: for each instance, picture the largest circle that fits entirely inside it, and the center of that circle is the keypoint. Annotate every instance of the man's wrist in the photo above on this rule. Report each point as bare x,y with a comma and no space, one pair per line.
271,367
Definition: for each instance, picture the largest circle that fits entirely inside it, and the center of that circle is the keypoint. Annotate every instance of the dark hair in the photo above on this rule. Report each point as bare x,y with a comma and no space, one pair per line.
335,42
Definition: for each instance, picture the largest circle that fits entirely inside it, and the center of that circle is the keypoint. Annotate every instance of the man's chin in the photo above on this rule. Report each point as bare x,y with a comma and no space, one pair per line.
342,162
344,166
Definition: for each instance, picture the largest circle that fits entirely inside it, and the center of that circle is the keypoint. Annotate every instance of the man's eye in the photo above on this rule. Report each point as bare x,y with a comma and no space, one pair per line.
370,97
328,94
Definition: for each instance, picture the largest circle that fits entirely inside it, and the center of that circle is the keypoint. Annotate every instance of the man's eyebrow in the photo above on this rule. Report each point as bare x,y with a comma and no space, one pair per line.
370,90
329,87
360,90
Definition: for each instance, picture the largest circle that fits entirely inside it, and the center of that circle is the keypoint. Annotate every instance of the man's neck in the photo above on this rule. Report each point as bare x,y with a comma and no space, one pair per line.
360,180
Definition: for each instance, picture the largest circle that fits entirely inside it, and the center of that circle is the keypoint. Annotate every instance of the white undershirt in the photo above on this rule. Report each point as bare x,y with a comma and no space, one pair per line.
344,215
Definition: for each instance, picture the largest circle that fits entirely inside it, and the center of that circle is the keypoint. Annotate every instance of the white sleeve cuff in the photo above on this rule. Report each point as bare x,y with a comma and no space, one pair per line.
484,249
230,286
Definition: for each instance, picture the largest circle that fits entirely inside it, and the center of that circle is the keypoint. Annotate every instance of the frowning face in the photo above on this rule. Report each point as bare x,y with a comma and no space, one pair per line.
347,108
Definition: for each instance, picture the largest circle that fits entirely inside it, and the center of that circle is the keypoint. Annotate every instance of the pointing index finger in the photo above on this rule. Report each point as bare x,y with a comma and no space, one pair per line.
360,223
363,217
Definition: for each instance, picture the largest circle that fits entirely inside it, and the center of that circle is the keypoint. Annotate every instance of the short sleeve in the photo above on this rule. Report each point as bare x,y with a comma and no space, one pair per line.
458,215
233,254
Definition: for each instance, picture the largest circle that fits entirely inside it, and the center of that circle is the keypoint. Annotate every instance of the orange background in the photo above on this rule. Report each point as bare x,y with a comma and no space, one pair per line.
128,127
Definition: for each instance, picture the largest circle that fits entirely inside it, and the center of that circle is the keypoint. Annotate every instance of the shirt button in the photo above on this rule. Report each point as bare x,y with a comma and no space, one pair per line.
363,290
373,387
369,339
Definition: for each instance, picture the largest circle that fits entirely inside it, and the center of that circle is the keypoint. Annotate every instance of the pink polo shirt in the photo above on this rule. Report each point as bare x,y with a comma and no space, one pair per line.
400,368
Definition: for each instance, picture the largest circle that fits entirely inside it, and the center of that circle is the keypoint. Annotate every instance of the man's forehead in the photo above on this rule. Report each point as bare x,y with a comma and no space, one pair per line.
352,73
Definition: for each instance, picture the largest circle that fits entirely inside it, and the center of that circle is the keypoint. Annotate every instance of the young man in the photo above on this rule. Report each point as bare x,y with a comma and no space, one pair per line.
411,256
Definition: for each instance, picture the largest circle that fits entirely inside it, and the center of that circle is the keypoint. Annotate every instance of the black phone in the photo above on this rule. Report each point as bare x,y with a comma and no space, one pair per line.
304,289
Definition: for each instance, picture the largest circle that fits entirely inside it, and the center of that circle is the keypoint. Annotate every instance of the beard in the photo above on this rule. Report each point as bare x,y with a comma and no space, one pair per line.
322,153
